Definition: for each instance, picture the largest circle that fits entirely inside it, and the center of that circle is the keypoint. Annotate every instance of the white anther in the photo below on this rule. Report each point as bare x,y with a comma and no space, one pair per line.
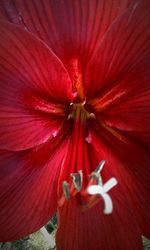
102,191
92,115
66,190
100,166
77,180
70,116
84,102
96,175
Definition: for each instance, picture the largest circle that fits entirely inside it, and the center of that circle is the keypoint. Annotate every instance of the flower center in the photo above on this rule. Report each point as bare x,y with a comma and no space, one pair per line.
87,188
78,111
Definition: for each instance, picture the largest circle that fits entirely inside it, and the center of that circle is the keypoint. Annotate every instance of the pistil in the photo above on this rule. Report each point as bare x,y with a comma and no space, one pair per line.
102,191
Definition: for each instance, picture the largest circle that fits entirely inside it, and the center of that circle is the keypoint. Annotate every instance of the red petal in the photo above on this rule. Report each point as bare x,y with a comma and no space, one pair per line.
28,188
127,105
125,44
129,163
73,29
32,82
92,229
77,157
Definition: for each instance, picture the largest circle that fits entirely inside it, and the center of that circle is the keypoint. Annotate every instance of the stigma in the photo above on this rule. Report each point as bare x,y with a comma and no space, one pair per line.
102,191
95,191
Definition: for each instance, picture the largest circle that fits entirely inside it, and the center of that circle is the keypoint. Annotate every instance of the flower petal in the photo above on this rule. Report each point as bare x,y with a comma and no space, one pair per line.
129,164
124,45
92,229
127,105
73,29
32,81
28,188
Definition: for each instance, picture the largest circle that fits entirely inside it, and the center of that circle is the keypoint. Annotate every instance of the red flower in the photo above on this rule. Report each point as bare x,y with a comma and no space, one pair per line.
75,90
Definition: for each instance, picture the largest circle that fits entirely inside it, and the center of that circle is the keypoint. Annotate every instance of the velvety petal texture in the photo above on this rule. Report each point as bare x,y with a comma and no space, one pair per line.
122,113
72,25
32,81
28,184
120,52
127,109
72,29
129,163
75,90
92,229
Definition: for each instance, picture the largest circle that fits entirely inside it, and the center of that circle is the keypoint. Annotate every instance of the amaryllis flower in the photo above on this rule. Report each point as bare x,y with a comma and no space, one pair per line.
75,121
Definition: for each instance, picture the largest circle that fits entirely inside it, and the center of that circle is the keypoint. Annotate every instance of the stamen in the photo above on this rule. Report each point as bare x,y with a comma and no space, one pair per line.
65,186
92,115
70,116
96,174
99,188
102,191
83,103
100,166
77,179
97,177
